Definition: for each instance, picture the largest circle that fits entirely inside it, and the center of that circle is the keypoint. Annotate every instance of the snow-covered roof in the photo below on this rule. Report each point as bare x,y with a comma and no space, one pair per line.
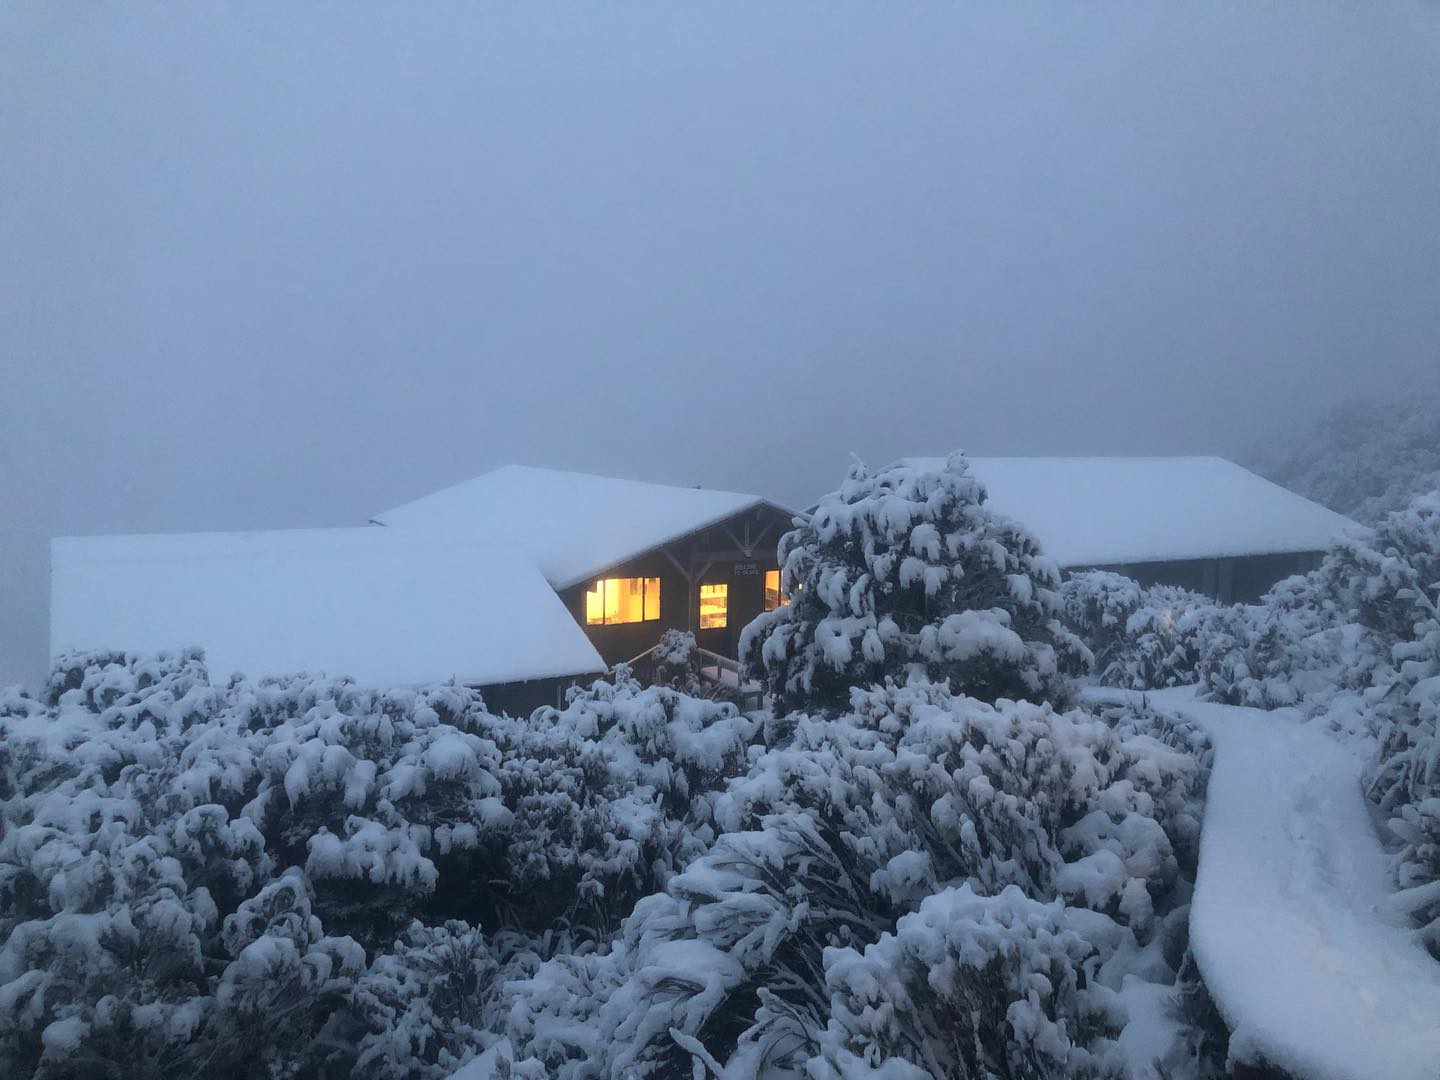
1105,511
573,525
386,607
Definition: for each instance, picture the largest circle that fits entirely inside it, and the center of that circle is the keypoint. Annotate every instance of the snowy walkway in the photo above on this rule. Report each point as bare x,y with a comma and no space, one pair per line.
1286,923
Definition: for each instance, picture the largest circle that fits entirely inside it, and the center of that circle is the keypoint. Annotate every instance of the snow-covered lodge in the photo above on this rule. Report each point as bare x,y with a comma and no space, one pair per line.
1201,522
523,580
627,559
519,581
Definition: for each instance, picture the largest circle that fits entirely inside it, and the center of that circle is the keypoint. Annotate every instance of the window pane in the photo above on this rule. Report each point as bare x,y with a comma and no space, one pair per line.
630,604
714,606
622,600
772,590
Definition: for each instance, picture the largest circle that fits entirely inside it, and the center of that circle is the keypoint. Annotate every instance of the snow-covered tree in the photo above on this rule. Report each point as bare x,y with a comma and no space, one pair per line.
1366,458
906,573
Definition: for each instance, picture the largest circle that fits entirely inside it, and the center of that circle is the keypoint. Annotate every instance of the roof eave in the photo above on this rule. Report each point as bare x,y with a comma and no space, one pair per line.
1145,560
596,571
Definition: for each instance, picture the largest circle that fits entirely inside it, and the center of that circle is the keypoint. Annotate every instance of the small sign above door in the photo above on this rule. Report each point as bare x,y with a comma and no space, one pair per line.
745,569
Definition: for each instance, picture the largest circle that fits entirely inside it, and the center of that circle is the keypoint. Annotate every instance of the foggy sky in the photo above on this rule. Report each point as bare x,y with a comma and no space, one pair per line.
288,265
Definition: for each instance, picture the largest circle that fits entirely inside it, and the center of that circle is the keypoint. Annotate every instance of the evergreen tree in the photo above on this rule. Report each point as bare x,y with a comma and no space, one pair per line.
906,572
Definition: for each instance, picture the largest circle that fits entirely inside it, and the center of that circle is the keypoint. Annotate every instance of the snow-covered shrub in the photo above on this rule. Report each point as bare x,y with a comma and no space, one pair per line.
1334,630
1387,579
278,1003
1141,638
974,985
677,662
607,798
1405,778
1165,637
305,878
254,875
906,573
1097,605
1301,641
191,873
834,834
1406,782
1250,657
422,1002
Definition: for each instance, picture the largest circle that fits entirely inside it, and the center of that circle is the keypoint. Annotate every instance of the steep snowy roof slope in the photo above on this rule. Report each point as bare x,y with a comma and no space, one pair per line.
1098,511
572,524
388,608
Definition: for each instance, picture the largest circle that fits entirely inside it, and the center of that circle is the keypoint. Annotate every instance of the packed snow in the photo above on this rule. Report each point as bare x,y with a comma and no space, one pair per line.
574,525
1100,511
386,607
1290,922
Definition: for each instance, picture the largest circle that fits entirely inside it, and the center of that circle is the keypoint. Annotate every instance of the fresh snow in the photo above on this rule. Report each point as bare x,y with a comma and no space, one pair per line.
1101,511
386,607
573,525
1288,922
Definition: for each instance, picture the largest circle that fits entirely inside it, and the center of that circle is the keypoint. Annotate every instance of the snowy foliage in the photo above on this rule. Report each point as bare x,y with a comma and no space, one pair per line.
1141,638
1365,459
421,1002
975,985
846,826
1332,633
305,878
194,875
677,662
905,574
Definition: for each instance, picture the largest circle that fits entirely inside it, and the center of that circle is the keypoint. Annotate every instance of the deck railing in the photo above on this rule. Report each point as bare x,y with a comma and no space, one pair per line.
723,678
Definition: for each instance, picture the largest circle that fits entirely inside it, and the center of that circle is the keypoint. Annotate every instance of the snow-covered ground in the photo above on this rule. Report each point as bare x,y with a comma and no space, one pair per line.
1289,923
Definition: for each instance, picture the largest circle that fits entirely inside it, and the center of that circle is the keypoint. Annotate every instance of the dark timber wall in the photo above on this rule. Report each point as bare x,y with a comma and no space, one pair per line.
1241,579
523,698
735,552
739,550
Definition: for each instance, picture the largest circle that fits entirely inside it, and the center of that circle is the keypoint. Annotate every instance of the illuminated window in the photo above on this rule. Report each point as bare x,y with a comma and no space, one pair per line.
773,597
622,600
714,605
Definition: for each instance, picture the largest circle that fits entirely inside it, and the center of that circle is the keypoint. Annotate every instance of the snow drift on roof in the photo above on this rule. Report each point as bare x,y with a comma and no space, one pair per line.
387,608
573,525
1099,511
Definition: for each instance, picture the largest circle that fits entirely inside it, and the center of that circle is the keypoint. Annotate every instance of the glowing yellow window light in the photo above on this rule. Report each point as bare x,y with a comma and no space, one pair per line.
714,606
773,597
611,601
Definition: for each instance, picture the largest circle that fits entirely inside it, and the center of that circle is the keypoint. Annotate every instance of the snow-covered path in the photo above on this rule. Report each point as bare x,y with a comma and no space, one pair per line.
1287,923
